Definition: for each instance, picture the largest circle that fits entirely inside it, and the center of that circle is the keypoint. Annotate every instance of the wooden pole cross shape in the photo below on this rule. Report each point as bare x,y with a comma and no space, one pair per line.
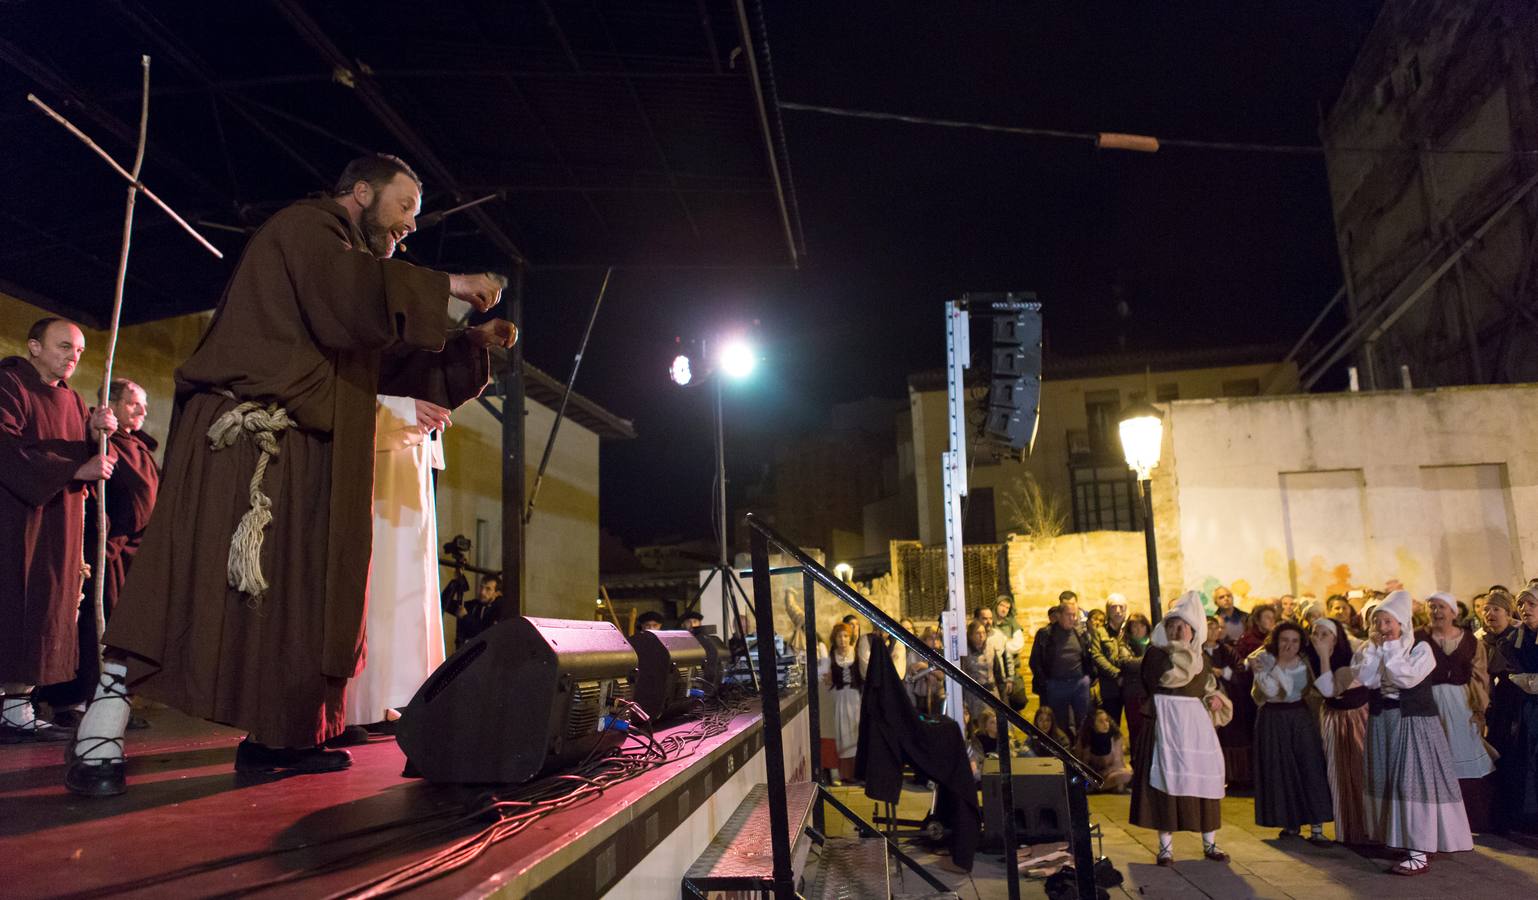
135,187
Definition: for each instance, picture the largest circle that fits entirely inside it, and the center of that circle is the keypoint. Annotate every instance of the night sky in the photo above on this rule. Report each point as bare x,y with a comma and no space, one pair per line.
1203,247
1186,247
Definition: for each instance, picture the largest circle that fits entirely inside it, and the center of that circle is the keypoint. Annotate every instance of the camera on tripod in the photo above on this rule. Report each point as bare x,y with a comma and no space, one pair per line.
453,596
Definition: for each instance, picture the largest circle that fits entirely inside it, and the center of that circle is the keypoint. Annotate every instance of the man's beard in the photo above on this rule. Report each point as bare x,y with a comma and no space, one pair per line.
375,233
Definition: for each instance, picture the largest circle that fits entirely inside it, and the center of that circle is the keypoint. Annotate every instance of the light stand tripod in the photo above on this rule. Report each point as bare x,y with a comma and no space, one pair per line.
731,586
736,360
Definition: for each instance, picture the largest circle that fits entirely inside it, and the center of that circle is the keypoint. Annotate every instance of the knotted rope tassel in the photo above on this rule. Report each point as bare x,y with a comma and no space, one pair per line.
263,423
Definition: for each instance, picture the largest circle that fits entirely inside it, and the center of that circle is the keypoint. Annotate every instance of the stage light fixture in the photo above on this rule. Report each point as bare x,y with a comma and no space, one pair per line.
737,358
680,371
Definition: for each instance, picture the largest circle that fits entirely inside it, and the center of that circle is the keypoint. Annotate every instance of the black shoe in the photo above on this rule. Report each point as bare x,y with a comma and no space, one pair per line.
37,732
68,718
351,736
99,779
251,757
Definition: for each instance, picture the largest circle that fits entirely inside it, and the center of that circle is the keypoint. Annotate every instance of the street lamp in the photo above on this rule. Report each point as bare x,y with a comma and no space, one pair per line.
1142,437
844,571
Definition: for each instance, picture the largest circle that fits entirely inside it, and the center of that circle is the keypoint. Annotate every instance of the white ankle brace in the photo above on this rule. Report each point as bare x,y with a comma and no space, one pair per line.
100,735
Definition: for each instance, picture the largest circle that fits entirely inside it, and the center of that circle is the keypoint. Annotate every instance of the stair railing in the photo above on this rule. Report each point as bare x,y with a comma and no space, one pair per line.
1080,777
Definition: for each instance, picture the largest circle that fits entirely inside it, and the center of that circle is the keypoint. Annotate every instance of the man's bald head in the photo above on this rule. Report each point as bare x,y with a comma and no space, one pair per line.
54,347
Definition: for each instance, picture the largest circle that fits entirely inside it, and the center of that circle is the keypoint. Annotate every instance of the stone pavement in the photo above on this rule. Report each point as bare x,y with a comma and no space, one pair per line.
1263,864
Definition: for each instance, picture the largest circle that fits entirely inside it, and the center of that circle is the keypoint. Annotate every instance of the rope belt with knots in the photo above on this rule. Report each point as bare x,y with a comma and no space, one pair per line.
262,422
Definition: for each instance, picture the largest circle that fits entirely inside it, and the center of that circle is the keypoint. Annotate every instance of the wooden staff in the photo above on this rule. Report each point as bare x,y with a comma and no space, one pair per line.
99,572
608,606
135,186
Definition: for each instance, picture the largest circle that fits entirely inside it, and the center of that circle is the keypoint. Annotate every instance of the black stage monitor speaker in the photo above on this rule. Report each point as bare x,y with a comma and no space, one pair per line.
670,672
525,696
1041,801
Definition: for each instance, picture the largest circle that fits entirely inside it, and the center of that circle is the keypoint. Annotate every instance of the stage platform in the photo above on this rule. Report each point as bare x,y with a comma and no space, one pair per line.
190,827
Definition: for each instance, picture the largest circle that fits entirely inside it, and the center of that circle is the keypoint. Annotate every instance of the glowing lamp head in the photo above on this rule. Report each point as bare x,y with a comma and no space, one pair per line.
1142,436
737,359
844,571
680,371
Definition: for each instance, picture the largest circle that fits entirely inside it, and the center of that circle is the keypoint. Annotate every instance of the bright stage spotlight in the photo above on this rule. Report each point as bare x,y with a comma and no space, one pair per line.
737,358
680,371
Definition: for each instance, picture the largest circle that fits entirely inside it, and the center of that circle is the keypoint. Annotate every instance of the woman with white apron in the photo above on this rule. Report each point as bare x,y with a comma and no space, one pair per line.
841,676
1178,781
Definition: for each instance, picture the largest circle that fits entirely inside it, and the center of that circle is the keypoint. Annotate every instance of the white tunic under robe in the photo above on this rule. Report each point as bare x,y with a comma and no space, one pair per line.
404,627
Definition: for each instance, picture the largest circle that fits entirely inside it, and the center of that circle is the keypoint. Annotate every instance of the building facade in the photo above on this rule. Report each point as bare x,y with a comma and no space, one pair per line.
1319,493
1076,468
1434,186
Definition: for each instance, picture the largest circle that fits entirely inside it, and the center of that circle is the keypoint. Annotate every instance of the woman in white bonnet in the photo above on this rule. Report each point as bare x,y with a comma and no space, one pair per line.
1412,799
1178,782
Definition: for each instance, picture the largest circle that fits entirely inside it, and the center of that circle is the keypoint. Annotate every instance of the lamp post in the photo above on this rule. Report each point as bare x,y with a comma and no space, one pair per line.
1142,436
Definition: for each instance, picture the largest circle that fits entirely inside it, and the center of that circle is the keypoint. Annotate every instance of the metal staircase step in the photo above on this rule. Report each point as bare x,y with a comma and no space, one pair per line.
741,856
852,869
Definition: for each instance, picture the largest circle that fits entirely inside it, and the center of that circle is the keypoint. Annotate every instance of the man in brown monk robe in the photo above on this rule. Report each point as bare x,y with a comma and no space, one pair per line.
46,466
246,602
130,498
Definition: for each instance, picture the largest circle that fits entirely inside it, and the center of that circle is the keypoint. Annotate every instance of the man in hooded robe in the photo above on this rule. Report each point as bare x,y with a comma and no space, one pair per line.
246,604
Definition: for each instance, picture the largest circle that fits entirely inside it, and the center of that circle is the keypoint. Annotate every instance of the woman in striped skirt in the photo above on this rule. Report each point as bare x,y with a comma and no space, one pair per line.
1412,798
1342,725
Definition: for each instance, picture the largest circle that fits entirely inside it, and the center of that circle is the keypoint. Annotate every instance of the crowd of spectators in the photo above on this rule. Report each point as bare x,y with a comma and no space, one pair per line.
1406,722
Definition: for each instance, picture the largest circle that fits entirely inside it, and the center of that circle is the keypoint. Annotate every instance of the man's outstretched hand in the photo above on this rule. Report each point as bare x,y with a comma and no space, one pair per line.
481,290
493,333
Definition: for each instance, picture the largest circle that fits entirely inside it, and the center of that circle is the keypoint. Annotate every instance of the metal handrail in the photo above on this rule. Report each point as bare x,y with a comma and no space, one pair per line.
886,623
1079,776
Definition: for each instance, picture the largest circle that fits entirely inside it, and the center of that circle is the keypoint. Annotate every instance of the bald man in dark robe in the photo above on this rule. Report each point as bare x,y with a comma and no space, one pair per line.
47,463
130,498
246,603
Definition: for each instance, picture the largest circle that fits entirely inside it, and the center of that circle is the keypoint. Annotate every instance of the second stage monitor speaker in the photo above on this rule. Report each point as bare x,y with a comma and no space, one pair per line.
670,672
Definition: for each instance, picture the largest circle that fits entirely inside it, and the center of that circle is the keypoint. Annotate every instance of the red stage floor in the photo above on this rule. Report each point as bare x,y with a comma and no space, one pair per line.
186,812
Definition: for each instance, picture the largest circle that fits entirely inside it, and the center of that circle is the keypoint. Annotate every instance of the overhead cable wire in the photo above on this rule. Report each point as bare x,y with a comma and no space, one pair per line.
1136,142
